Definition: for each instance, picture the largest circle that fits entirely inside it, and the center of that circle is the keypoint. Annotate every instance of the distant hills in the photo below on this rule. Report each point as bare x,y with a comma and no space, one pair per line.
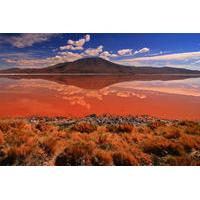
96,65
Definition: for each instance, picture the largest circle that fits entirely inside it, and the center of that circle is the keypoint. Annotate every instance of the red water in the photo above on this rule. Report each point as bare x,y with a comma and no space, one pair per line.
166,99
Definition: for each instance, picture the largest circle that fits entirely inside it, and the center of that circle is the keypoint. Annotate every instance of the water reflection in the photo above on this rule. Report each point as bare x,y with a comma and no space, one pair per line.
83,95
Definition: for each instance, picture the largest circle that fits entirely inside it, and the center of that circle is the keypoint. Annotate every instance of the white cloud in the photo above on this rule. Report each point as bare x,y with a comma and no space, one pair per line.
143,50
71,47
93,51
28,39
61,57
125,52
176,56
129,52
196,62
44,62
188,60
107,55
70,56
87,38
76,45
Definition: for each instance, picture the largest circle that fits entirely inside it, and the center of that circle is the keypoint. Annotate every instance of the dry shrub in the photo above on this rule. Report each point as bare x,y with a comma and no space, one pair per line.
21,150
49,145
19,141
195,130
4,126
84,127
7,125
195,155
105,142
17,153
190,142
190,127
45,128
124,159
101,158
1,137
169,132
22,143
97,149
132,138
155,124
76,154
8,160
187,123
142,158
120,128
181,161
161,147
143,129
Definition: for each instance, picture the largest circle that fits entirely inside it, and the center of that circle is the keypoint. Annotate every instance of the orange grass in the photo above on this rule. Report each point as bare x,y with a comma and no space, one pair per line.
157,143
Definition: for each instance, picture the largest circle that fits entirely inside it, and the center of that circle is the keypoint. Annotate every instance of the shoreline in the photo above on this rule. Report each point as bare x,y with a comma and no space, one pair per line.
98,120
94,74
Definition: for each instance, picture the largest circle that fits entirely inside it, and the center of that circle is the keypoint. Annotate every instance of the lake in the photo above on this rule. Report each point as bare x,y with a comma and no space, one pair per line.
165,97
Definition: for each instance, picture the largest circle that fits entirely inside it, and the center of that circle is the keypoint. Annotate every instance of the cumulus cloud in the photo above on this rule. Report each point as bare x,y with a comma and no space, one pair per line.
125,52
70,56
129,52
143,50
28,39
44,62
94,51
107,55
62,56
76,45
71,47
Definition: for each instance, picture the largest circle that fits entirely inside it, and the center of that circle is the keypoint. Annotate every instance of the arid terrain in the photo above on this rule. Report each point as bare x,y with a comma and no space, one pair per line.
99,140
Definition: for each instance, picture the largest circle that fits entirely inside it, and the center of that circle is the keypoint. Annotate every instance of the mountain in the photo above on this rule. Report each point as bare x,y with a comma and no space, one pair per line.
96,65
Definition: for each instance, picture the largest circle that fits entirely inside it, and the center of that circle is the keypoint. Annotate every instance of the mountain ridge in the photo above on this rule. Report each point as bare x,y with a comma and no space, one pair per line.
96,65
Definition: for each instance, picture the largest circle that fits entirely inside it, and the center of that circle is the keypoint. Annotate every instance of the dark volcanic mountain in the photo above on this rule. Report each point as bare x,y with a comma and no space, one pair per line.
98,66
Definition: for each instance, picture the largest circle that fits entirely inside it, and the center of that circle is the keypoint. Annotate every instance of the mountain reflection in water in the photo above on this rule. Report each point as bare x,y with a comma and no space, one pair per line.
173,97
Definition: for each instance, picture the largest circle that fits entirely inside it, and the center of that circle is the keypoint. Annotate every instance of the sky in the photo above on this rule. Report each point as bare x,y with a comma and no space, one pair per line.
36,50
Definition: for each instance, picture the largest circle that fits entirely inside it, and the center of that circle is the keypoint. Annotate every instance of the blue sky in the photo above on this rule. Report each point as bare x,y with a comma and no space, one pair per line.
142,49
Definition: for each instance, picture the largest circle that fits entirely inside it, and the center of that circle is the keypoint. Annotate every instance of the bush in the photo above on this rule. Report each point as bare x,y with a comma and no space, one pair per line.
120,128
7,125
8,160
1,137
190,142
162,147
101,158
49,145
124,159
84,127
155,124
190,127
172,133
24,143
181,161
75,154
